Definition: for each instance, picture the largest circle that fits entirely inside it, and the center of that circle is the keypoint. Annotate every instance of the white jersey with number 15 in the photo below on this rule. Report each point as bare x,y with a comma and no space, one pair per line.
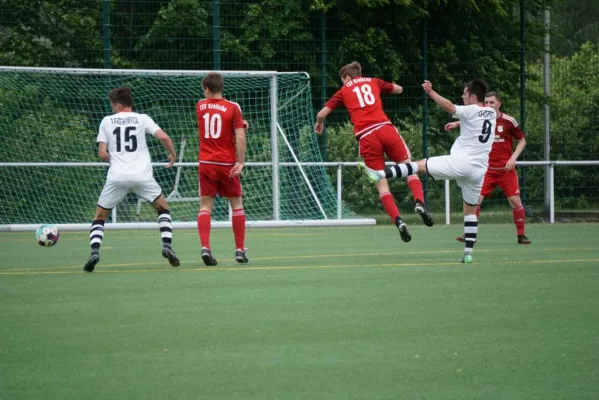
477,133
125,136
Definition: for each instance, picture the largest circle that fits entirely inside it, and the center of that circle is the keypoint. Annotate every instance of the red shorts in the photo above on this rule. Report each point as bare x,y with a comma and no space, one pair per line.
381,141
507,181
214,179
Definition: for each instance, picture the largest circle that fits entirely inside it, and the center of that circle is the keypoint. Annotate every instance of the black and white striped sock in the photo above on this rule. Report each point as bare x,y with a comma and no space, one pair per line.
401,170
166,228
96,234
470,231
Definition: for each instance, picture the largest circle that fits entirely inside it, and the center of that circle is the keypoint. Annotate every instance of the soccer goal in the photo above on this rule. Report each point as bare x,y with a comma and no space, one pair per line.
49,170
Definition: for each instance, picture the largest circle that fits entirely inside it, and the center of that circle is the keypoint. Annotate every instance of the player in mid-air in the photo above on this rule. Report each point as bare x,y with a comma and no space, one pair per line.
502,164
122,142
376,135
221,160
469,157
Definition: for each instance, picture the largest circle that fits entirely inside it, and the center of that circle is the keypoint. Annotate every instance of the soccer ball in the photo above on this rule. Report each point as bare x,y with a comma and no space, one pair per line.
46,235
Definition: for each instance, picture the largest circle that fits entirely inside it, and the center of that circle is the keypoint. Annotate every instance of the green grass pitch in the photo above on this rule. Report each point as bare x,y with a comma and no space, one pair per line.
319,313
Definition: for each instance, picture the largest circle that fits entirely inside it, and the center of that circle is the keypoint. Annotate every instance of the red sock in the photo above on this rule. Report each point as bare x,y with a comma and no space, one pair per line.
204,228
477,212
390,206
416,188
238,221
519,219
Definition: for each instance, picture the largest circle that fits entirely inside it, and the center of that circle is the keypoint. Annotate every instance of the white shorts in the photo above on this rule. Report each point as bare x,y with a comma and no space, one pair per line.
469,177
115,191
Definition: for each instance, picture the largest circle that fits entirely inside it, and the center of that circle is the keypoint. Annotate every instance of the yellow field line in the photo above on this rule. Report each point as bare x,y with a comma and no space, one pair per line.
308,256
294,267
255,259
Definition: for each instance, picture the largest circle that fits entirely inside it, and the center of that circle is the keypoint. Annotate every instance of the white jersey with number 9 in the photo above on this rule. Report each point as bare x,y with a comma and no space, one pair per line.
477,133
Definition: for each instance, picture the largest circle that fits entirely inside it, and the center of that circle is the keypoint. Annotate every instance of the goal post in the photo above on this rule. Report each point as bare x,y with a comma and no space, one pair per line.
49,170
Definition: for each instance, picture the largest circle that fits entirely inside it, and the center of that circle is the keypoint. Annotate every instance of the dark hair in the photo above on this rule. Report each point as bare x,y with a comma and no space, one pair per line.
121,95
494,94
479,88
352,69
214,82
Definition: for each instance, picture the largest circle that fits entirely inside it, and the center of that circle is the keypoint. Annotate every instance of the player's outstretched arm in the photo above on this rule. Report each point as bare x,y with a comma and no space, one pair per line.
452,125
320,117
437,98
103,152
241,146
168,143
397,89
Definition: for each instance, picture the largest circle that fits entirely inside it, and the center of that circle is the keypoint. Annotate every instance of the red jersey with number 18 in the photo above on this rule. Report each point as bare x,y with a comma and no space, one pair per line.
217,121
362,98
506,130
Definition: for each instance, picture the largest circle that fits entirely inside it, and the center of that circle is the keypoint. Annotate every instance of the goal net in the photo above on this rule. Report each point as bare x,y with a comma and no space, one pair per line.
50,173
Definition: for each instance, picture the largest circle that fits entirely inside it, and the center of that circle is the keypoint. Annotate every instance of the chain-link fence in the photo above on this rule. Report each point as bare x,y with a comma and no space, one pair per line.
541,55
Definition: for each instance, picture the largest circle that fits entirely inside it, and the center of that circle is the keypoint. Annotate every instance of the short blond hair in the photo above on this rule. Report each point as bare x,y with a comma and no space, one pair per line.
352,70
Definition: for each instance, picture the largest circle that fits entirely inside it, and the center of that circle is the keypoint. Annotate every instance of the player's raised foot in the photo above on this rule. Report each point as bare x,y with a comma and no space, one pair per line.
461,239
403,230
467,259
372,174
522,239
91,262
424,214
169,254
240,256
207,257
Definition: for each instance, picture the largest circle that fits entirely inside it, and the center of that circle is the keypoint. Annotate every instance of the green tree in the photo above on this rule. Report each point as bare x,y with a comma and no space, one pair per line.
56,33
574,126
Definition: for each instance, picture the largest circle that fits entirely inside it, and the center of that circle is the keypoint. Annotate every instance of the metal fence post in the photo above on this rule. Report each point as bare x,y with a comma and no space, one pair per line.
546,83
339,188
106,33
216,34
322,139
522,92
425,104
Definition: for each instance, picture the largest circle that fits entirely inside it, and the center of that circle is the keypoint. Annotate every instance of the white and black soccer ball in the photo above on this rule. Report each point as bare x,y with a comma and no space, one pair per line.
47,235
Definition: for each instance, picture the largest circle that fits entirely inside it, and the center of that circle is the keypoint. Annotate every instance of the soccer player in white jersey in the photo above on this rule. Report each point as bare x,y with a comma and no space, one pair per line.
122,142
469,157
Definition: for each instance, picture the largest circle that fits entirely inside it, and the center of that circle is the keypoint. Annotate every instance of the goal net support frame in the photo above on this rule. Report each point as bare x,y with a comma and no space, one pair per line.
277,132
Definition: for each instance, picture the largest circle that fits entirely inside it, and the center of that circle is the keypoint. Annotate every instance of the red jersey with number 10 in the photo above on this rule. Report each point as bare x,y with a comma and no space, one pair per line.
506,130
217,121
362,98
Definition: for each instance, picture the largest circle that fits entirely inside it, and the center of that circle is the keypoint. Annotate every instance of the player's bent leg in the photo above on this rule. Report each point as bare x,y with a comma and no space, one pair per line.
418,195
404,170
96,235
393,171
238,224
165,226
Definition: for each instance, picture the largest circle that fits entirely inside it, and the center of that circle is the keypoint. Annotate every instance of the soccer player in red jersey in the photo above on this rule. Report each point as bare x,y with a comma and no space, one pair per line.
502,164
376,135
221,159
